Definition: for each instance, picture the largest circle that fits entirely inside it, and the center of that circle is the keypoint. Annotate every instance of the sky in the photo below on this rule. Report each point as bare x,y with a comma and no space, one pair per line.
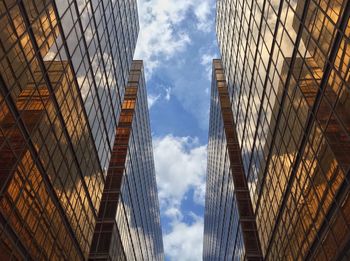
177,43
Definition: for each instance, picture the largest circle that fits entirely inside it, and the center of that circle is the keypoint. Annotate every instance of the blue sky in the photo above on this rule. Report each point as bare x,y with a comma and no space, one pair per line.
177,43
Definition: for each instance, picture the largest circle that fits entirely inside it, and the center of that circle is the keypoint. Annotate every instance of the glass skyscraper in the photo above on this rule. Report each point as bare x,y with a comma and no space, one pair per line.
230,228
286,70
64,66
134,224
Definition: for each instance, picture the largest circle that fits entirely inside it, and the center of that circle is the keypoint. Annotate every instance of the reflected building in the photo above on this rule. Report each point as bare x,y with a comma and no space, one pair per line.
286,72
64,66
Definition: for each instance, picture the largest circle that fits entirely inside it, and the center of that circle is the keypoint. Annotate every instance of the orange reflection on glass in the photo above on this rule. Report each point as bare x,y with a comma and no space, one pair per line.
30,211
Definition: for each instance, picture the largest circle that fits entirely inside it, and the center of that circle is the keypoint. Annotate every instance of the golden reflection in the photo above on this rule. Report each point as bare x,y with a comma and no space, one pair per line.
20,57
318,176
28,88
35,216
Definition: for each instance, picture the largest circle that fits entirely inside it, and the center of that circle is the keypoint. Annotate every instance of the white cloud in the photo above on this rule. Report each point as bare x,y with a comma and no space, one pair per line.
206,61
199,195
202,12
167,93
152,99
174,213
180,166
160,35
164,93
185,241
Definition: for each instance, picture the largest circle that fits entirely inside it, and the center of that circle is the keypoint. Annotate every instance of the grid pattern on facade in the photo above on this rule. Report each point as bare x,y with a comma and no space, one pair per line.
107,236
138,212
287,67
129,213
63,69
243,201
223,237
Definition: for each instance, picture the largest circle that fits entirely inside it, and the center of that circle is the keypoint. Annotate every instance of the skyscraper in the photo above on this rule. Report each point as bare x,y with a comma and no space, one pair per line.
286,71
229,230
64,66
134,223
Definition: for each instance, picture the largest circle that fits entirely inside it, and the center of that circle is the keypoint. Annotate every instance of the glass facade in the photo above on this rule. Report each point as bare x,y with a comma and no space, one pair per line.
286,65
230,231
64,66
129,215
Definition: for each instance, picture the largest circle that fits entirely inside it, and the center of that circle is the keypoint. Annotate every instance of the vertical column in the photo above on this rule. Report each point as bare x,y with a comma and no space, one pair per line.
106,243
245,209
